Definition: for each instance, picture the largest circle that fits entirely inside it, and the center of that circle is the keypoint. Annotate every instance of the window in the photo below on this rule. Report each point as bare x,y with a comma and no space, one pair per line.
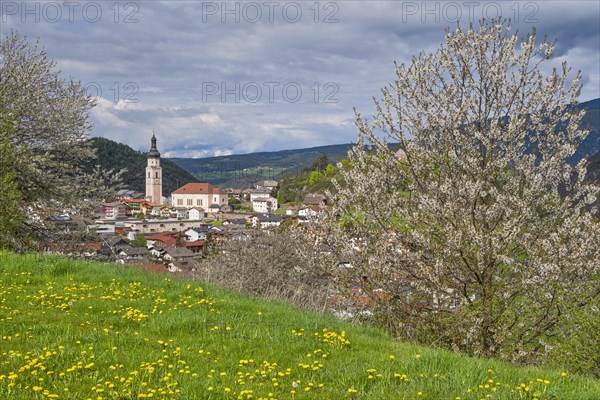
179,202
190,202
198,202
148,174
157,175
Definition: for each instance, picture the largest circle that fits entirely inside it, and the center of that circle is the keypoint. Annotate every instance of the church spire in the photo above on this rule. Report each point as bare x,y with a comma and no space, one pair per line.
153,150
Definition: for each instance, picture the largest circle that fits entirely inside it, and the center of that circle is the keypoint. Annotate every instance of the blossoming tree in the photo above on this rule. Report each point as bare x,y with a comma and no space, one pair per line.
471,230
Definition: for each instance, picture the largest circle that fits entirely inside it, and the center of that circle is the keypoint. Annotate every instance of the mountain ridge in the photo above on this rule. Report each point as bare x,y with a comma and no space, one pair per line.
241,170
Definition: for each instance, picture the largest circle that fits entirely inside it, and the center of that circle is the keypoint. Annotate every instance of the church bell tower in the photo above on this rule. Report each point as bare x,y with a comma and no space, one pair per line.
154,174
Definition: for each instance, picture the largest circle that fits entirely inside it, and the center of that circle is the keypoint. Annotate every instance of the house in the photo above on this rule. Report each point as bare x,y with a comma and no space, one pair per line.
163,238
264,204
198,233
111,211
270,185
195,247
165,212
173,225
134,206
114,241
264,221
182,213
196,213
235,193
126,194
259,193
173,253
290,210
153,209
236,222
157,251
310,211
214,208
226,208
312,199
199,195
129,253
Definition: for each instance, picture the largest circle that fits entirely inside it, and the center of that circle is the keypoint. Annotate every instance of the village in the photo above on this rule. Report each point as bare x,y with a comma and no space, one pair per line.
169,233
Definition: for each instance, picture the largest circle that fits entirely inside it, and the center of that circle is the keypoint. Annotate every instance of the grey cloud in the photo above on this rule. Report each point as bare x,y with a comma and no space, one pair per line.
171,52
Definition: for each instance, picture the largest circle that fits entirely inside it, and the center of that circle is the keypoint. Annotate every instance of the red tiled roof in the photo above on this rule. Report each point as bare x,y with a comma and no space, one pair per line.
167,238
199,188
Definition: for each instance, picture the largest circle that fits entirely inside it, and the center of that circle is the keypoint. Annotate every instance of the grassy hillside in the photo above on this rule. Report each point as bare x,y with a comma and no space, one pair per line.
75,330
114,155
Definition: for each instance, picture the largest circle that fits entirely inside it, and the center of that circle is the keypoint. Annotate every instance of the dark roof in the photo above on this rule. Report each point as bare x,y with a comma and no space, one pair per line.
60,218
237,221
129,193
314,198
260,190
134,251
226,208
202,228
269,218
153,150
177,252
114,240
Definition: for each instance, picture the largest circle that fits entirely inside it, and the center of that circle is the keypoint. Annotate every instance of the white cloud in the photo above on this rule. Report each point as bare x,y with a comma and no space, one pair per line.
153,73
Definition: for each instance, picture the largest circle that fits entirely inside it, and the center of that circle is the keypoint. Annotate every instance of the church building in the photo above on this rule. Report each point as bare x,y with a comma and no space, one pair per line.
198,194
154,174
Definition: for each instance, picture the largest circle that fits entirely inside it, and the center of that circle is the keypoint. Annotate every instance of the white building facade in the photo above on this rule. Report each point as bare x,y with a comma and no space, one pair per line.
264,204
199,195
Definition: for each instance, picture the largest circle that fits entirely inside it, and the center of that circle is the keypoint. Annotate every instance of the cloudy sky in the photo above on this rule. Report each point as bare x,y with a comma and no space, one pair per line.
216,78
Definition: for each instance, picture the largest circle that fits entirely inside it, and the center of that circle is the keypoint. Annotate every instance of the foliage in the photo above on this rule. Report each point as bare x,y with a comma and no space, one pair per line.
479,238
276,264
112,154
139,241
12,218
315,178
235,203
49,122
75,330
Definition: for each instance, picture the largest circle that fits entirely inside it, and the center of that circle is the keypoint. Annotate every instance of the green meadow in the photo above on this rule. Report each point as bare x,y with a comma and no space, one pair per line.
79,330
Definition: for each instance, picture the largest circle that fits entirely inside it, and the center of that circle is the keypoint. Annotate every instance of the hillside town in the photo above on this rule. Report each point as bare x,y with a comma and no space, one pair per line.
171,232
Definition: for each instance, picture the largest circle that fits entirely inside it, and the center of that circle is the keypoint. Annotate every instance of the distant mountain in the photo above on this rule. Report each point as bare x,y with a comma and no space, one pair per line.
591,122
239,171
242,170
114,155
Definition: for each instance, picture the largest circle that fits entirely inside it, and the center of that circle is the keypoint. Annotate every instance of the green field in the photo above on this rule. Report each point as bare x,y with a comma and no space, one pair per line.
77,330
